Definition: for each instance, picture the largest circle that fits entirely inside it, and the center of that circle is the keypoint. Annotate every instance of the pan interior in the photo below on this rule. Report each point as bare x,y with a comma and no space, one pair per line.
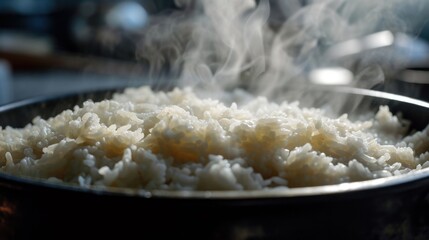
346,100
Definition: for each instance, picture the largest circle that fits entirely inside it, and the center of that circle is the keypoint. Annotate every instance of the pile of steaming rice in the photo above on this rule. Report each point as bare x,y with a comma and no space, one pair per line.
175,140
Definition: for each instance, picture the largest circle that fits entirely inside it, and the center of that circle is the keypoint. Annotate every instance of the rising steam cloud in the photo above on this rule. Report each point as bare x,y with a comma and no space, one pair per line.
264,46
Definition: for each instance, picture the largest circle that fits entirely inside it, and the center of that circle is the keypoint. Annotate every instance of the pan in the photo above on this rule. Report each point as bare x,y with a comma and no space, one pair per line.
388,208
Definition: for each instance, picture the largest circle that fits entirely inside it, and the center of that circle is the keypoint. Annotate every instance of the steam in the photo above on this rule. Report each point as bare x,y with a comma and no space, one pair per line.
228,44
229,41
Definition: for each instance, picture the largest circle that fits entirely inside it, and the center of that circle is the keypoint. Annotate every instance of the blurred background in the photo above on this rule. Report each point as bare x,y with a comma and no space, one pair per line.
58,46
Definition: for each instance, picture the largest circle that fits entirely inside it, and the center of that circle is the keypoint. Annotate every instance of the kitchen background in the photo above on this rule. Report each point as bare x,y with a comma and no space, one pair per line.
52,47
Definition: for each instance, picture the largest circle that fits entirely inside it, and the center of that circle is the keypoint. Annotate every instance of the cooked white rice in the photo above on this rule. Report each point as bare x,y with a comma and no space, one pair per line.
175,140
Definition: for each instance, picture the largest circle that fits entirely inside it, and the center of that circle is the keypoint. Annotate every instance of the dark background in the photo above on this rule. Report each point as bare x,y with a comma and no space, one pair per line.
57,46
